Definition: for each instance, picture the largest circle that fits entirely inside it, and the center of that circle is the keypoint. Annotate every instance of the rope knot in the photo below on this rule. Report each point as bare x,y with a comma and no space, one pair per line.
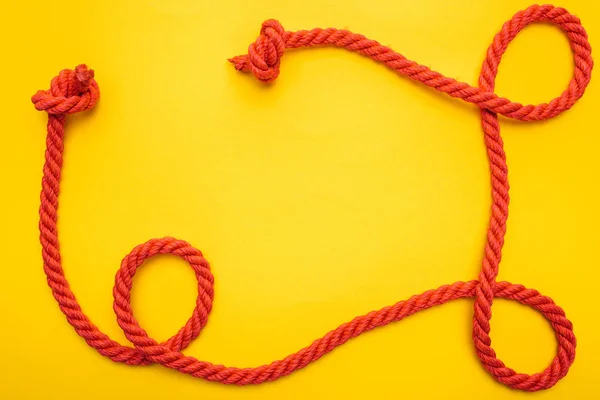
265,53
70,92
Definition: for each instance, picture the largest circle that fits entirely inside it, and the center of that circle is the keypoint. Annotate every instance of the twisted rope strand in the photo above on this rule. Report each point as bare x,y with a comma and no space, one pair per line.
263,60
76,90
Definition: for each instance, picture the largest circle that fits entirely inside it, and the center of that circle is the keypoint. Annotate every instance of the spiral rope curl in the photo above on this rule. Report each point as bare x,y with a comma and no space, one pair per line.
76,90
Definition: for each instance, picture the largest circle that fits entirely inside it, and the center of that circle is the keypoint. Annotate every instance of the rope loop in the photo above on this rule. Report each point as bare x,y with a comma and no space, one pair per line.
123,284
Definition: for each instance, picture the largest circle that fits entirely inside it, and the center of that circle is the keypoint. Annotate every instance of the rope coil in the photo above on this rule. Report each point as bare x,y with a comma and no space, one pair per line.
76,90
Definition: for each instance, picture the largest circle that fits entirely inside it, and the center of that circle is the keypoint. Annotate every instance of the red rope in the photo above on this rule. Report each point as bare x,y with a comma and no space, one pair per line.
74,91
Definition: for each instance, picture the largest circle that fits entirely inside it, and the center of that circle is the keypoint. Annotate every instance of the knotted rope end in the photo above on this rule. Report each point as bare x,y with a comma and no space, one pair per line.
70,92
265,53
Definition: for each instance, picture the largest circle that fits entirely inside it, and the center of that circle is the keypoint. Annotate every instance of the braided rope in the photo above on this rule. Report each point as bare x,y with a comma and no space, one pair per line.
74,91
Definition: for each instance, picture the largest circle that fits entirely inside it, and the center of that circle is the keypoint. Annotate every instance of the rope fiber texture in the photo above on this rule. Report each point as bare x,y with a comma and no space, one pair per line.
76,90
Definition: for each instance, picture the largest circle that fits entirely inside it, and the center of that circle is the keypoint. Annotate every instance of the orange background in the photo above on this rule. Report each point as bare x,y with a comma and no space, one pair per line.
340,189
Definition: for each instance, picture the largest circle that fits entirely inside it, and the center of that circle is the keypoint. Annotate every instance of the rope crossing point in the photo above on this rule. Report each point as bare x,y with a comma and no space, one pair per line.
76,90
